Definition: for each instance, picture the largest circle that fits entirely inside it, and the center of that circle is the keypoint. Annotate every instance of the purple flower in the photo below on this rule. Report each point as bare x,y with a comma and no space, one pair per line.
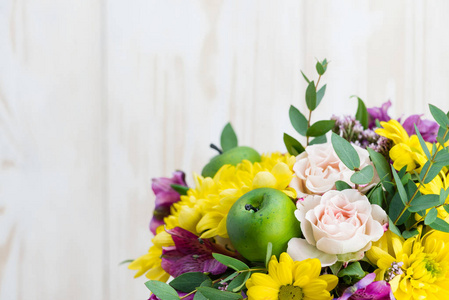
379,113
165,197
427,128
368,289
190,254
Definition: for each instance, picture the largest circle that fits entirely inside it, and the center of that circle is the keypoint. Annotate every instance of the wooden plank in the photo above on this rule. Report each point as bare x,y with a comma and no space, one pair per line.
52,242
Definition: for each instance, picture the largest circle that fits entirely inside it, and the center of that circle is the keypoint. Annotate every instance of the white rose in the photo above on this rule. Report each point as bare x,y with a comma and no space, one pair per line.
340,225
318,168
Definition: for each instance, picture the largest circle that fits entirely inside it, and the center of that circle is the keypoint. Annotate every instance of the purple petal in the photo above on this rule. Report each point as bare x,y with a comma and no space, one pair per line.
167,198
427,128
365,281
162,184
379,113
368,289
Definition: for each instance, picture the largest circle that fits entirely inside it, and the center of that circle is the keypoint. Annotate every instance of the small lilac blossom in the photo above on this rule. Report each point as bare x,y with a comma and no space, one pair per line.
190,254
368,289
427,128
165,197
379,113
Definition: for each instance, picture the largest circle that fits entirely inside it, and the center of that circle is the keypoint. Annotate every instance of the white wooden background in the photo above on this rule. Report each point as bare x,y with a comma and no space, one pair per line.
99,96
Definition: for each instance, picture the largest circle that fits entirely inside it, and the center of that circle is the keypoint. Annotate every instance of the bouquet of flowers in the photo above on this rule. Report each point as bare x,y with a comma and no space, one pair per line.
361,216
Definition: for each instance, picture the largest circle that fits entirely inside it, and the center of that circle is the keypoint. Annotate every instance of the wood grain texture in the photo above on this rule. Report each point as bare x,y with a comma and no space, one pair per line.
99,97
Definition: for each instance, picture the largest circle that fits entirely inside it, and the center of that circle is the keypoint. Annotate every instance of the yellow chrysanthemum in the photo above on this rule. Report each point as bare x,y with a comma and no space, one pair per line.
417,268
204,209
288,279
407,151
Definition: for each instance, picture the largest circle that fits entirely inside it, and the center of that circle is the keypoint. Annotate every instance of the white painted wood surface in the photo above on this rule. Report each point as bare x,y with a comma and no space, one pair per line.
99,96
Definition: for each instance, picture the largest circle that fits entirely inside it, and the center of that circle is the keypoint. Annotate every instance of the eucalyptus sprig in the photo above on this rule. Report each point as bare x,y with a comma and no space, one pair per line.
301,124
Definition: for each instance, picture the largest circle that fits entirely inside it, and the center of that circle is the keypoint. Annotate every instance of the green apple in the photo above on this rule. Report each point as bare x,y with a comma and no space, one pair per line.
261,216
232,157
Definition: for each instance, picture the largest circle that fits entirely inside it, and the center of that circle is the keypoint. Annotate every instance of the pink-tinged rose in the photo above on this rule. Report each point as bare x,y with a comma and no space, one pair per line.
340,225
318,168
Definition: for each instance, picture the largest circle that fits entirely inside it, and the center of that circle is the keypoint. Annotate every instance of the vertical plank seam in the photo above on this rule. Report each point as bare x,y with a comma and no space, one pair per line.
104,131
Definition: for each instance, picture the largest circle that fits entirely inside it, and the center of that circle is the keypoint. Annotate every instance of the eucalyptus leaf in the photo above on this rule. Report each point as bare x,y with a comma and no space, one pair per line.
298,120
228,138
440,117
377,196
352,270
162,290
319,68
433,172
446,208
345,151
443,195
341,185
239,282
320,94
422,142
269,253
431,216
401,190
362,113
311,96
393,228
383,169
318,140
199,296
395,209
440,225
442,158
212,293
293,146
424,202
187,282
443,135
410,233
230,262
305,77
321,127
364,176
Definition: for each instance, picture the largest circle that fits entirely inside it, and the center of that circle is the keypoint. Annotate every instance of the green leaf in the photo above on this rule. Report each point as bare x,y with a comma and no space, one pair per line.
382,167
228,138
320,94
439,116
433,172
431,216
442,158
318,140
441,135
162,290
311,96
199,296
212,293
230,277
345,151
424,202
180,189
230,262
341,185
422,142
128,261
298,120
401,190
269,253
305,77
335,268
410,233
362,113
364,176
377,196
440,225
293,146
352,270
443,195
324,63
319,68
237,283
187,282
321,127
393,228
395,209
207,282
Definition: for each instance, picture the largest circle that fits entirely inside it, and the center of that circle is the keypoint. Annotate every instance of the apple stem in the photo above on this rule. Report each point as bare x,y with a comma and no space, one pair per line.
250,207
216,148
